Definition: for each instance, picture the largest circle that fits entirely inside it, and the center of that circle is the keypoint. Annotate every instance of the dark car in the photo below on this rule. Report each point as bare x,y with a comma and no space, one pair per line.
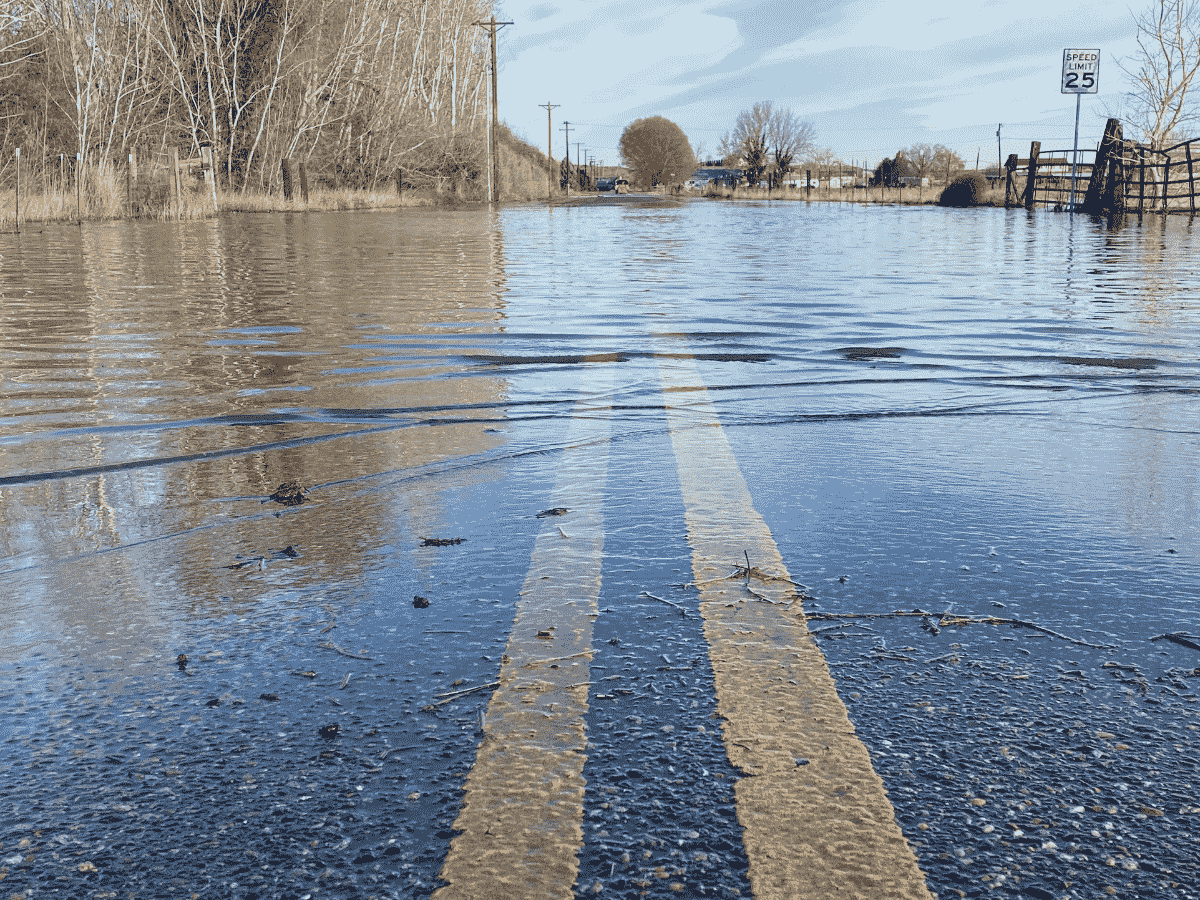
605,184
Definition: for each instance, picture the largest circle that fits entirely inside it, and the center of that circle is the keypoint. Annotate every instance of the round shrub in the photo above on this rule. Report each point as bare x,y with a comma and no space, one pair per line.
965,190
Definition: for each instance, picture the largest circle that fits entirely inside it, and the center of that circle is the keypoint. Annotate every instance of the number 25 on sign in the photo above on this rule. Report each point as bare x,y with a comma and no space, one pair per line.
1081,71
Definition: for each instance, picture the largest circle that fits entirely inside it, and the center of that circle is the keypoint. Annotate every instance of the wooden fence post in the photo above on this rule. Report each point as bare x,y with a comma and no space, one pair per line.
1093,201
208,167
17,211
79,188
303,167
176,186
1035,149
130,180
1010,184
1191,182
399,183
285,170
1166,182
1141,178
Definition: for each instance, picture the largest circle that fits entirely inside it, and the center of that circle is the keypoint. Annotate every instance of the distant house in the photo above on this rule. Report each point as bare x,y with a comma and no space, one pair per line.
717,175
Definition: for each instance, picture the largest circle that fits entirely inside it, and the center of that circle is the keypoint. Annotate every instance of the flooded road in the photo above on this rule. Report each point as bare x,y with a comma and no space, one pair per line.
975,413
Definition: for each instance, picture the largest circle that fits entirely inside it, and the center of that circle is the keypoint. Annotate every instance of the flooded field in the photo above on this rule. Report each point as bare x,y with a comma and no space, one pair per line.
976,417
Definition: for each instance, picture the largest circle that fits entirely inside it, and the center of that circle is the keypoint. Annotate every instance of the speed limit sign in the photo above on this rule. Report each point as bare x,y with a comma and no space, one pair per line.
1081,71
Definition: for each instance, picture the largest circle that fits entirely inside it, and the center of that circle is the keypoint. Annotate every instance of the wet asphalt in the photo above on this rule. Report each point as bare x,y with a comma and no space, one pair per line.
303,751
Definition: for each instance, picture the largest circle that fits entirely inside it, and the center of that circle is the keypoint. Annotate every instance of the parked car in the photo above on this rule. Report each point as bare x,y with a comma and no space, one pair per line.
621,186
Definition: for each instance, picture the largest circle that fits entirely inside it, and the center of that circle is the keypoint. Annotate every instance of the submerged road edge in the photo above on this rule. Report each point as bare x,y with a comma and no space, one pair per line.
816,819
522,813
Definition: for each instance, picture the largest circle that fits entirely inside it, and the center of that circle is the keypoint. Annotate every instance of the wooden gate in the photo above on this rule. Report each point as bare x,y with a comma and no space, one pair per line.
1121,177
1047,177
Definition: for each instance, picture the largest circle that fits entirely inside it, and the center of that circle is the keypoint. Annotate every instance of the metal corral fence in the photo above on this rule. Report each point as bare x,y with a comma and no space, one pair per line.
1120,177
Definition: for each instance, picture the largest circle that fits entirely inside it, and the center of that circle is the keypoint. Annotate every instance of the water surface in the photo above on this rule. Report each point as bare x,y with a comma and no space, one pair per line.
986,411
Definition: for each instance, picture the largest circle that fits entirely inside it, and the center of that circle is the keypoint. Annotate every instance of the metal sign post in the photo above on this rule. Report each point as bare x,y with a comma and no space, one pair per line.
1080,75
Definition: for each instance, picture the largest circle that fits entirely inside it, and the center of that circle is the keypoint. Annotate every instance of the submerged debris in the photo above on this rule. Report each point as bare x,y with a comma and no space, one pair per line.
862,353
1179,637
290,493
259,561
420,602
330,645
329,732
440,542
556,511
952,621
181,660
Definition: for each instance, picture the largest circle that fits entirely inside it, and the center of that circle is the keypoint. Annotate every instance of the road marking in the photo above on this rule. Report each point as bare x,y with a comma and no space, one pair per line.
522,813
824,828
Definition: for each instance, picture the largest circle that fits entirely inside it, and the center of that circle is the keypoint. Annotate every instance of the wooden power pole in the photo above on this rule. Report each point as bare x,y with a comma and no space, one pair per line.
567,129
549,159
493,26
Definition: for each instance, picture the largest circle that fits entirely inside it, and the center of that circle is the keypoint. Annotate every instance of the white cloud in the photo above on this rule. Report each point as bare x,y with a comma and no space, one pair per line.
872,75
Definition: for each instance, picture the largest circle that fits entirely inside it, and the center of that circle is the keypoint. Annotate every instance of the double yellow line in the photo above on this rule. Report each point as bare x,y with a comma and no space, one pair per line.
816,819
522,808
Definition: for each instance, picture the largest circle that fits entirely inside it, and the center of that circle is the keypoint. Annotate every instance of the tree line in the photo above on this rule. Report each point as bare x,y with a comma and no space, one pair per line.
767,143
358,88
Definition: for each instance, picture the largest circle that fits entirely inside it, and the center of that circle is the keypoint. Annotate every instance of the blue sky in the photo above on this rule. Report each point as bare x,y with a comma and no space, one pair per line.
873,77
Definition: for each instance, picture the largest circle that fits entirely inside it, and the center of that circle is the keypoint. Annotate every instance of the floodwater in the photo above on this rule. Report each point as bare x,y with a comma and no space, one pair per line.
986,412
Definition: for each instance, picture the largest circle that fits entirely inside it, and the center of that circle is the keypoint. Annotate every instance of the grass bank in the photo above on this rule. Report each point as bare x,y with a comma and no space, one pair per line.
107,191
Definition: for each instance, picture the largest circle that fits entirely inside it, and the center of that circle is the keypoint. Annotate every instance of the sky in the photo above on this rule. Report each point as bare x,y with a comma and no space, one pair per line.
873,77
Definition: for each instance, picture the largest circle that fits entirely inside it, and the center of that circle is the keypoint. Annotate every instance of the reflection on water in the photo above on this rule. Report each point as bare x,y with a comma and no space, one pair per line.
160,380
189,370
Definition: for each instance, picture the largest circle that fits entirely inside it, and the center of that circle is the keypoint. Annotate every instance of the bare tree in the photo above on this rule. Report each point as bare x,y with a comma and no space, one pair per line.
750,140
946,162
19,33
1168,35
788,137
921,156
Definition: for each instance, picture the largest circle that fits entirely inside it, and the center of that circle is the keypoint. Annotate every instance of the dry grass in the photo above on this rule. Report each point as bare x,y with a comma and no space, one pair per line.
908,196
331,199
104,197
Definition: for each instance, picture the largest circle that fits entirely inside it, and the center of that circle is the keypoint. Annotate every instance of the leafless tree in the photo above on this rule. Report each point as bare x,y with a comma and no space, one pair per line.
1168,58
750,140
788,137
946,162
921,156
20,30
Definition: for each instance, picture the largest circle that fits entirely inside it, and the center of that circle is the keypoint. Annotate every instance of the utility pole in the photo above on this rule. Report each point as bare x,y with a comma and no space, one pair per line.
549,159
567,156
579,160
999,158
494,189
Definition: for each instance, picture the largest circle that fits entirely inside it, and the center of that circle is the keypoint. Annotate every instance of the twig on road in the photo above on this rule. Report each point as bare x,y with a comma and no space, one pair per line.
682,610
330,645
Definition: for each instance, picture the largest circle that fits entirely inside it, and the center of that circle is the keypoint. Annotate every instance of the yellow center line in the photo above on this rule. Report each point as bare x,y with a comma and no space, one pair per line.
522,813
816,819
